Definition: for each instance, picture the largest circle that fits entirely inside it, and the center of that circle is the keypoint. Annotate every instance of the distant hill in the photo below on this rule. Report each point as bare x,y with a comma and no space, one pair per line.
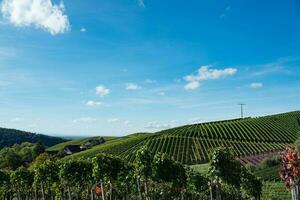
192,144
9,137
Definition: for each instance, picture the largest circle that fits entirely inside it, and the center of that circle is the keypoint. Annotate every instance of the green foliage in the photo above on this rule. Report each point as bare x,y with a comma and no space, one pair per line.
166,170
19,155
76,175
22,180
143,162
224,166
197,183
230,179
76,172
46,176
250,184
107,167
270,162
268,170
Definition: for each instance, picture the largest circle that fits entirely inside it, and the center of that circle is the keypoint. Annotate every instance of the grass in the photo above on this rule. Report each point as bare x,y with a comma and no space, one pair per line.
275,190
268,174
201,168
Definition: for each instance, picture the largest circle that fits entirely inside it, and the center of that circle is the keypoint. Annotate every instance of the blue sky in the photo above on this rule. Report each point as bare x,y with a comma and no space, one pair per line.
122,66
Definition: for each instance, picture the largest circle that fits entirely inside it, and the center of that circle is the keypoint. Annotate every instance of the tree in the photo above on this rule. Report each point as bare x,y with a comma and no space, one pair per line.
38,149
5,189
11,160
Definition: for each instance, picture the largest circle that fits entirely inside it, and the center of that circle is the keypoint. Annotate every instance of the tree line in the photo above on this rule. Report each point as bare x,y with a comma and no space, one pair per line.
149,177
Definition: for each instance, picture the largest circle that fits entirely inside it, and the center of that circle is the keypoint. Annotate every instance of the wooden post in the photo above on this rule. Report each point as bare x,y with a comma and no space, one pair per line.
295,192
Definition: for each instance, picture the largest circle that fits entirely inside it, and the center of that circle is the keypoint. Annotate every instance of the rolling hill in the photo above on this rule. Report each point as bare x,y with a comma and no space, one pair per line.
9,137
192,144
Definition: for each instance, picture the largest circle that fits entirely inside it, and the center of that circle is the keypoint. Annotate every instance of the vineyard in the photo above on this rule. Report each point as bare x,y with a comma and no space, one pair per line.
192,144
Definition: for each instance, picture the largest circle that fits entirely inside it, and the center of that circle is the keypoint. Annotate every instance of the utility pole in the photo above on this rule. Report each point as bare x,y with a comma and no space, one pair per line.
242,109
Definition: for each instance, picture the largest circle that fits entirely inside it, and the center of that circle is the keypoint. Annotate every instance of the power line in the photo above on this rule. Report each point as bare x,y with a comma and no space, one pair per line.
242,109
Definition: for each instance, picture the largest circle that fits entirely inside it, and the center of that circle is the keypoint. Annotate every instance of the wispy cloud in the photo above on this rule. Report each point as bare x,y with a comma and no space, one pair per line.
150,81
156,125
132,86
83,29
93,103
16,119
225,12
268,69
205,73
102,90
281,65
113,120
37,13
6,53
256,85
85,120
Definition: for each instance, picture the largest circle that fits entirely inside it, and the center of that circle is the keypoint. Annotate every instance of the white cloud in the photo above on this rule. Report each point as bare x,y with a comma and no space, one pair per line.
162,93
85,120
102,90
155,125
126,122
132,86
192,85
205,73
93,103
83,29
256,85
113,120
141,3
39,13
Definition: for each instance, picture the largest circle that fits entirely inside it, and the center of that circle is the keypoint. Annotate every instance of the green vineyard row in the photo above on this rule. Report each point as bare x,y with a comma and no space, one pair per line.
192,144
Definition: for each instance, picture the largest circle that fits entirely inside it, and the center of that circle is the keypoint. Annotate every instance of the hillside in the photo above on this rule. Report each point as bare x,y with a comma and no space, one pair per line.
192,144
9,137
80,141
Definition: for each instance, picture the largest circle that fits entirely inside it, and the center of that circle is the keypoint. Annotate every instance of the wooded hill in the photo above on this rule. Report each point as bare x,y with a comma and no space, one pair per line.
9,137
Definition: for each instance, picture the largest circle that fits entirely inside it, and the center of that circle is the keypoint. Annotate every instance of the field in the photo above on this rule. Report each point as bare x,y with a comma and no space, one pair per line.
192,144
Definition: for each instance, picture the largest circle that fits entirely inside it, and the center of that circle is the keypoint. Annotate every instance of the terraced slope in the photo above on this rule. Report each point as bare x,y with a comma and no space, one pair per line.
191,144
